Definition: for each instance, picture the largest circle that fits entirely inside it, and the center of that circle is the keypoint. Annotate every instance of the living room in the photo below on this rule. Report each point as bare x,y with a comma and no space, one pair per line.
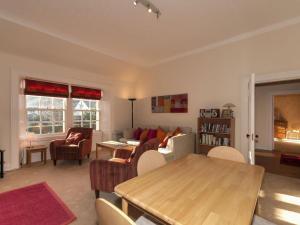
207,50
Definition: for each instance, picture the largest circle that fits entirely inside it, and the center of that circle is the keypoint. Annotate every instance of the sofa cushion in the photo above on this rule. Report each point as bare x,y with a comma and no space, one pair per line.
137,133
151,134
74,138
128,133
144,136
160,134
165,141
177,131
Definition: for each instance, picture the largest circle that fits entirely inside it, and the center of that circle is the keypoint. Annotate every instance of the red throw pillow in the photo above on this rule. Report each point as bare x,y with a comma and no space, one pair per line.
74,138
152,134
165,141
137,133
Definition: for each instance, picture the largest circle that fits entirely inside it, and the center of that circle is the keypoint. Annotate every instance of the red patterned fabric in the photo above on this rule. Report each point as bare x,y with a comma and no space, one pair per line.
59,150
85,93
74,138
42,88
106,174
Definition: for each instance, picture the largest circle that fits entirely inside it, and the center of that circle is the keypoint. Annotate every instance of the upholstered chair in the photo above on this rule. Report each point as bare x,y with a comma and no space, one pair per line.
62,150
106,174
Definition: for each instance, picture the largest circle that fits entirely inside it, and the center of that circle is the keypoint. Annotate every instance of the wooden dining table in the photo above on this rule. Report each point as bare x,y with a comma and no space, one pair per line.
196,190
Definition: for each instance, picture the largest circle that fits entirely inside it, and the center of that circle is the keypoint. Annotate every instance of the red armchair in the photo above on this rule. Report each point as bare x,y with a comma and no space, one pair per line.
59,150
106,174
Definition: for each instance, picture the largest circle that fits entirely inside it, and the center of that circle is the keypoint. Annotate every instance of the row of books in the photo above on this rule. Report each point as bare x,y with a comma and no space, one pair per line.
215,128
209,139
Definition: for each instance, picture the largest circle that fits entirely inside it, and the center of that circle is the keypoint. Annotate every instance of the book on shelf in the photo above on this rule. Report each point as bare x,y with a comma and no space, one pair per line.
210,139
215,128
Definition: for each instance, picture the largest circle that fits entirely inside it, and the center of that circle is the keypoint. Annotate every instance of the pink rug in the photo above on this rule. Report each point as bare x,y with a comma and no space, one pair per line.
33,205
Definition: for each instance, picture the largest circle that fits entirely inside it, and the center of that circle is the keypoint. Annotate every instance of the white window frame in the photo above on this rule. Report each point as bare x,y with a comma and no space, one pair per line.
97,110
47,110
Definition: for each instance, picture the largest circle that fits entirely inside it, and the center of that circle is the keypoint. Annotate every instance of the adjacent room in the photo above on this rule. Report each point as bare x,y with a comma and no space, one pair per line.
150,112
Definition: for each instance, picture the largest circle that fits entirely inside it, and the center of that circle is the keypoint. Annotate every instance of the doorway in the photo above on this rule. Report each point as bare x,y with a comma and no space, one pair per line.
277,125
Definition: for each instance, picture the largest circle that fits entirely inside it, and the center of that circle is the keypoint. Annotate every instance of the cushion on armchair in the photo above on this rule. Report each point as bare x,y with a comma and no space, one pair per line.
74,138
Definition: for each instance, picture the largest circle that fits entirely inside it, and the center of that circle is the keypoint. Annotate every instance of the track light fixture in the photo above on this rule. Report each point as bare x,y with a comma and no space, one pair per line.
151,8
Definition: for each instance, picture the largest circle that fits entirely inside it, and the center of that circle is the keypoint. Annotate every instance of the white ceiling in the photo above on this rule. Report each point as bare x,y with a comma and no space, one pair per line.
120,30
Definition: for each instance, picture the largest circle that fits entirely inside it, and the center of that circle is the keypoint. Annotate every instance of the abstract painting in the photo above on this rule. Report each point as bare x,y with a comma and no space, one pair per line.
170,104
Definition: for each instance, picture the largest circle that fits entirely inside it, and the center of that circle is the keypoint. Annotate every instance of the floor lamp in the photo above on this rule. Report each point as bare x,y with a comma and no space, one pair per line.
131,100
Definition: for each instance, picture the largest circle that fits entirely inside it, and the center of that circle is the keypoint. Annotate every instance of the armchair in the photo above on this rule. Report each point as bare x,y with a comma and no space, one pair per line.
60,150
106,174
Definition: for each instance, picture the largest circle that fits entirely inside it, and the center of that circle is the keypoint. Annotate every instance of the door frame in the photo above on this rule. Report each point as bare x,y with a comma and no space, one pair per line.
260,79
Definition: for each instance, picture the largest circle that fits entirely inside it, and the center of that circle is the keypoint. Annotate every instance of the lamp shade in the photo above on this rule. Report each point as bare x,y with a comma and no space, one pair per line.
229,105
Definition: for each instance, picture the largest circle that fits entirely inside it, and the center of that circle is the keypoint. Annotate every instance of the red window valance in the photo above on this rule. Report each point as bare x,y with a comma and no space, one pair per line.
42,88
86,93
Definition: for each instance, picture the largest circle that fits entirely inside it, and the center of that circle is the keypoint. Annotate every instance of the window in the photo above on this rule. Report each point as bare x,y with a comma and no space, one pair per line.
45,115
86,113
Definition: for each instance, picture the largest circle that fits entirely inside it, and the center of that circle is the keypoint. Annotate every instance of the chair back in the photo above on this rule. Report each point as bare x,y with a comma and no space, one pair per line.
86,132
109,214
227,153
149,161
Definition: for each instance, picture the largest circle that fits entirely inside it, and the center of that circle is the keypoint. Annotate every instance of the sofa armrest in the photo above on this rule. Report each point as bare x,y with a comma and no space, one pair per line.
182,145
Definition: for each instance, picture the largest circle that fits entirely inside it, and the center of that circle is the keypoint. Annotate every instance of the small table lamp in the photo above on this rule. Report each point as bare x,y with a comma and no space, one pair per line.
30,137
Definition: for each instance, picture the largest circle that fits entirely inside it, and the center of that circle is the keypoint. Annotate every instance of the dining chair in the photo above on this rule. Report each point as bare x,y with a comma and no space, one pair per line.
149,161
109,214
227,153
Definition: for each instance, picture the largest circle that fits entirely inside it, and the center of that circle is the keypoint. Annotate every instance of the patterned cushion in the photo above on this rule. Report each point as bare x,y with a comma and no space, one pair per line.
74,138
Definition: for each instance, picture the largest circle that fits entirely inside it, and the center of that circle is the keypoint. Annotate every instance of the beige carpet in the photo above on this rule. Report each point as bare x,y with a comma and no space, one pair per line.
279,202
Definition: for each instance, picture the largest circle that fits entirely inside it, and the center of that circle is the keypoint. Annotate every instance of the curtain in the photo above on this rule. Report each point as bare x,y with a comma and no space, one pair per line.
86,93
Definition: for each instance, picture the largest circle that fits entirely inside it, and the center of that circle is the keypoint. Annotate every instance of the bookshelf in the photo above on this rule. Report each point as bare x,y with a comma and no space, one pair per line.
214,132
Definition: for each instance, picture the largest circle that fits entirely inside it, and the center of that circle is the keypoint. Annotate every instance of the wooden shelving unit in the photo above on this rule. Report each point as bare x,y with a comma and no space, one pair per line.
214,132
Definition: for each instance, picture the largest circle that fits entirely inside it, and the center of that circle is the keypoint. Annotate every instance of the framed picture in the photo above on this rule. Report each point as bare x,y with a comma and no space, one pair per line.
170,104
215,113
227,113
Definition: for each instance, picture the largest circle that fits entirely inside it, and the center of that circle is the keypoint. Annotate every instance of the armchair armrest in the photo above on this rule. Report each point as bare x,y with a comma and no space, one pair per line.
58,142
105,175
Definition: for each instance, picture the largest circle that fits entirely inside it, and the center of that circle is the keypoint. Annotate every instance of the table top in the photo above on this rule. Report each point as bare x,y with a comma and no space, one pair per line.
197,190
36,147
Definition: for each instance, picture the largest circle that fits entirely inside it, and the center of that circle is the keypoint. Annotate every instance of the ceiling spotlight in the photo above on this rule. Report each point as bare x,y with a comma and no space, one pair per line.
151,8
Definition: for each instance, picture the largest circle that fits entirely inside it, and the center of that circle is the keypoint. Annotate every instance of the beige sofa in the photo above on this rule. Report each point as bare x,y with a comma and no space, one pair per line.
177,147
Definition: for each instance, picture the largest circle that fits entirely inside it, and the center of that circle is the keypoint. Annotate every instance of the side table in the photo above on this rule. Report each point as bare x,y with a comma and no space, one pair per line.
36,149
2,163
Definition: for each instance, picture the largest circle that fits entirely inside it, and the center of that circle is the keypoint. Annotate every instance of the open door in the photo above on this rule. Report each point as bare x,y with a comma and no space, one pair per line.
251,120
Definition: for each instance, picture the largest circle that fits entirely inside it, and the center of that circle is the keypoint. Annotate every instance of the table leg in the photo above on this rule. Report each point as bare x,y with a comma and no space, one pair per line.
45,156
96,151
2,165
42,156
125,206
29,158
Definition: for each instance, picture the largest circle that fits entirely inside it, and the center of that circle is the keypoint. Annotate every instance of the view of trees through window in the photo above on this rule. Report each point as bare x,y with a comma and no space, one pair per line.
45,115
86,113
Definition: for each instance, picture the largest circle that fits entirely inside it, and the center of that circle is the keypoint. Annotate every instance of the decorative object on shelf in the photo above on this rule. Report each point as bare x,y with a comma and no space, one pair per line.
228,112
209,113
215,113
215,132
132,100
170,104
151,8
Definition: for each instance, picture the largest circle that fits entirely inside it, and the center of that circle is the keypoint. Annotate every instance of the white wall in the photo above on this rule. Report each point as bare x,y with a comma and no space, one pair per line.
218,76
264,111
116,112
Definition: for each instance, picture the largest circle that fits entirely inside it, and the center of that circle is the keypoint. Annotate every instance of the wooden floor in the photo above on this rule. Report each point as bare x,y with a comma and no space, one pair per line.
270,160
